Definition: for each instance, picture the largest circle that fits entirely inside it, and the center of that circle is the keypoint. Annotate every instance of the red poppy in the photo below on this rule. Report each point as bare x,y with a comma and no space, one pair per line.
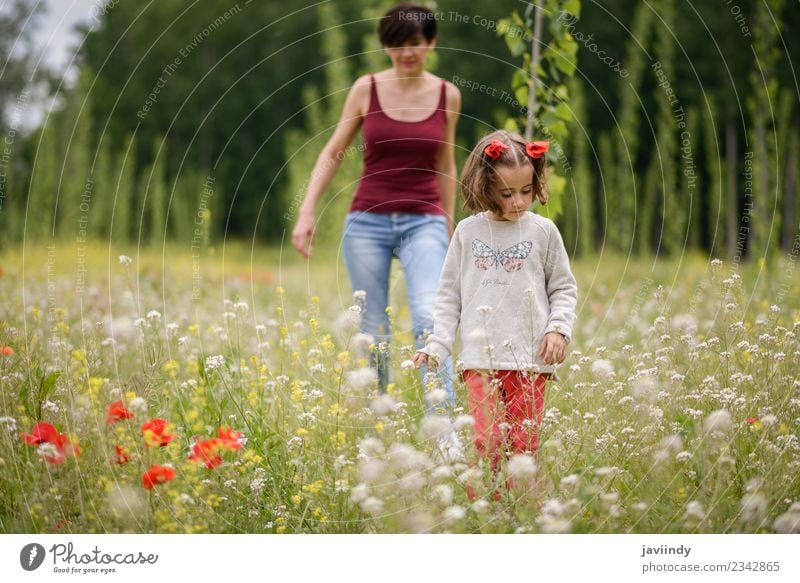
157,475
233,438
494,149
155,433
537,149
41,433
751,420
207,451
117,412
54,447
122,455
7,351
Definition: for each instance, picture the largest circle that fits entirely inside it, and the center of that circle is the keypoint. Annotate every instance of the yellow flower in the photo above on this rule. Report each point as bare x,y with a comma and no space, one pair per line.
379,427
301,431
315,300
296,499
193,329
390,388
341,437
280,291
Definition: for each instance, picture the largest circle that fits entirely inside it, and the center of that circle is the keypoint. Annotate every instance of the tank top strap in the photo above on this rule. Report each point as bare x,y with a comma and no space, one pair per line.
374,104
443,97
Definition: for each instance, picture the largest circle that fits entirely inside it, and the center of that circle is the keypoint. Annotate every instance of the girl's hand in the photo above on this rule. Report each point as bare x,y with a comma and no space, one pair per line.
421,358
553,348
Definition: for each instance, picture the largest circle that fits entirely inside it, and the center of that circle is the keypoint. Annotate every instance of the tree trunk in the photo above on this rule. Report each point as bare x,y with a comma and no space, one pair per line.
731,193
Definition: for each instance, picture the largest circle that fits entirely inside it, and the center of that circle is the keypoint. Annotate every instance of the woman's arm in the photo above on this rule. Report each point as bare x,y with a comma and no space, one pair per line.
328,164
446,166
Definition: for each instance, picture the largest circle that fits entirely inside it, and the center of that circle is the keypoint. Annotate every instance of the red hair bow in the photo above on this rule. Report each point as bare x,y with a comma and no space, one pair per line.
537,149
494,148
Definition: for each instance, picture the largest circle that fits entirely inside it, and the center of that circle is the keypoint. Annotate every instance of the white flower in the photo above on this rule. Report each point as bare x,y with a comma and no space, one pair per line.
443,493
360,343
138,405
153,315
371,446
370,471
407,365
644,388
789,521
694,512
570,482
435,425
553,524
126,502
359,493
437,396
719,421
463,422
454,514
10,424
606,471
347,323
214,362
359,296
480,506
125,260
683,456
754,508
241,307
50,406
521,466
372,506
411,482
769,420
361,378
383,405
716,263
602,368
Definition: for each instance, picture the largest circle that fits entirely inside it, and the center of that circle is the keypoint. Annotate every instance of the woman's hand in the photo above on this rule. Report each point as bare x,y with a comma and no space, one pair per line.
303,234
553,348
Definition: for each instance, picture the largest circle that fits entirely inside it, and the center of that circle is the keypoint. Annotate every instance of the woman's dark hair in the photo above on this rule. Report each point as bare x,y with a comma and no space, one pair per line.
404,22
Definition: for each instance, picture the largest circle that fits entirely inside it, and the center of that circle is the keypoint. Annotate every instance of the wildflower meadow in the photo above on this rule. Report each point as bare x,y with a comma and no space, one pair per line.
229,391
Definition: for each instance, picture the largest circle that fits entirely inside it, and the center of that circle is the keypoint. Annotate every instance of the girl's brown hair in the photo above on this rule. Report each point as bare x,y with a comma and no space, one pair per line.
479,179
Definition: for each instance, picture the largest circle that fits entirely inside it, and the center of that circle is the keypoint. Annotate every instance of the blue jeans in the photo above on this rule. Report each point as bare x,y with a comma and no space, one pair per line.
419,241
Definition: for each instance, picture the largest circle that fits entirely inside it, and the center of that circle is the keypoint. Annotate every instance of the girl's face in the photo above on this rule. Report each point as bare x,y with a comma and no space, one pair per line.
409,57
513,190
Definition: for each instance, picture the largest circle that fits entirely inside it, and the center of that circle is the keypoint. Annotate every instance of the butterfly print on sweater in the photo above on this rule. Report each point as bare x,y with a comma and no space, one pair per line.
512,259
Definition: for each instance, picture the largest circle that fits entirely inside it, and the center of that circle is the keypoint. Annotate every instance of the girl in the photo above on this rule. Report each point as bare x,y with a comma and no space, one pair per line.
404,203
507,284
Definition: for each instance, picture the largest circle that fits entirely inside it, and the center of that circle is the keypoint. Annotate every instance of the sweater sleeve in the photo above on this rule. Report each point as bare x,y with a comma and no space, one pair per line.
562,289
447,311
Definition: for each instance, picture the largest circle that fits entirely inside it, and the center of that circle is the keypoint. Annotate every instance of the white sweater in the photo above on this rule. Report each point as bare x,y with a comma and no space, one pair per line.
506,284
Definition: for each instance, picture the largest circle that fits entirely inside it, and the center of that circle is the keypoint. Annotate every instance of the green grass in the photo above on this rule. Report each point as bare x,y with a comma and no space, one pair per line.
658,346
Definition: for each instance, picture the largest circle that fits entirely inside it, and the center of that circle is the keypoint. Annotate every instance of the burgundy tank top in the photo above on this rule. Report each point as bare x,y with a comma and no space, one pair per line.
400,160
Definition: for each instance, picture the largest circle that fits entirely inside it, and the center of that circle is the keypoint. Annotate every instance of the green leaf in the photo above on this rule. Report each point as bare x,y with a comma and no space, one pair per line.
573,7
548,118
48,384
563,112
566,66
558,128
515,45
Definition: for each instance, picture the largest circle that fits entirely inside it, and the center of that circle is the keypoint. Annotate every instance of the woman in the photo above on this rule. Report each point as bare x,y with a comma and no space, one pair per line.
404,204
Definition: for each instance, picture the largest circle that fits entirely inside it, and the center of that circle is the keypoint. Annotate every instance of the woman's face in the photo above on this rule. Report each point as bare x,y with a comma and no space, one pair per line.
409,57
